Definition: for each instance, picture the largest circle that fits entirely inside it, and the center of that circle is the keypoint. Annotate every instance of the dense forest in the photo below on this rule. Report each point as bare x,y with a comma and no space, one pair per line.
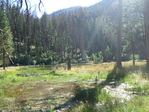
112,30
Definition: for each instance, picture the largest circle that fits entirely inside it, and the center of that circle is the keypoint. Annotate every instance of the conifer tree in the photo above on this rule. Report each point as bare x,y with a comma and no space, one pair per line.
6,43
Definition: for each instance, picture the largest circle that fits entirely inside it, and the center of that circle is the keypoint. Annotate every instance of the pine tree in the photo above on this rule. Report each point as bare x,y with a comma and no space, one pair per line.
6,43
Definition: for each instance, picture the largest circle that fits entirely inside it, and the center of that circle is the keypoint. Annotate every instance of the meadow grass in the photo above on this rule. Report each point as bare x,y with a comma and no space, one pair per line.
137,76
9,79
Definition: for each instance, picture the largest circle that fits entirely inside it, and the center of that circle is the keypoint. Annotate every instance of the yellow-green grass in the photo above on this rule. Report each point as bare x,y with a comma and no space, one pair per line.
77,73
92,68
137,76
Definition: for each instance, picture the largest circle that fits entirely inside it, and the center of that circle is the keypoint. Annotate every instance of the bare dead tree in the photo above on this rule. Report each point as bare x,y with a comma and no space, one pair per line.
26,3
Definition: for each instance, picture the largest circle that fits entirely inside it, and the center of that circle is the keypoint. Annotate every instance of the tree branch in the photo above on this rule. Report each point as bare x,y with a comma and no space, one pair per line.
26,3
40,3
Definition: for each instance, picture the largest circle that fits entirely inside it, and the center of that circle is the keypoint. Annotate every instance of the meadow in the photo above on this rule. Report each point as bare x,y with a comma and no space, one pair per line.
84,82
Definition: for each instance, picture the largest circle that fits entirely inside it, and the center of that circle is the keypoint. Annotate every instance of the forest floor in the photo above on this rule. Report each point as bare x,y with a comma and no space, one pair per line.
90,87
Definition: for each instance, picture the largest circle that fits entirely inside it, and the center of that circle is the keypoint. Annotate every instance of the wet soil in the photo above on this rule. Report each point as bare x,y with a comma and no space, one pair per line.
42,96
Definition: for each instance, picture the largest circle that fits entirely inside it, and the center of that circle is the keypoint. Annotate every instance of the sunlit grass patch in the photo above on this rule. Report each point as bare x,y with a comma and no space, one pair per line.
137,77
81,76
9,76
13,68
137,104
130,63
140,89
116,106
34,70
99,68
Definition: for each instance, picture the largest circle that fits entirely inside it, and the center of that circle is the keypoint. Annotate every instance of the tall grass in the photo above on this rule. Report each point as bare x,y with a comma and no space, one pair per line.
87,98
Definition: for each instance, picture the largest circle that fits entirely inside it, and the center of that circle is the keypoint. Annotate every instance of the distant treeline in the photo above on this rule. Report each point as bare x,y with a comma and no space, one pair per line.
84,34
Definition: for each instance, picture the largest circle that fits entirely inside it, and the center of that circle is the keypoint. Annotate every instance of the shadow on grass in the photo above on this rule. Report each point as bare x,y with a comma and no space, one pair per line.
120,74
87,95
91,96
116,74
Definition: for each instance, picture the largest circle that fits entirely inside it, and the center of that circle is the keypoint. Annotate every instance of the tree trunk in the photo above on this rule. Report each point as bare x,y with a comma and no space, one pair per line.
82,49
69,63
133,57
132,47
119,37
4,54
146,21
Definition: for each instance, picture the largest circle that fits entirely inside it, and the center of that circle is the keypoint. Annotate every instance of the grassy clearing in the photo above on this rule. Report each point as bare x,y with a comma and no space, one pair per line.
137,76
9,79
78,73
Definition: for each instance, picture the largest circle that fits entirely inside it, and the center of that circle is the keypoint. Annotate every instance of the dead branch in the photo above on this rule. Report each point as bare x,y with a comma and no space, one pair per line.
40,3
27,9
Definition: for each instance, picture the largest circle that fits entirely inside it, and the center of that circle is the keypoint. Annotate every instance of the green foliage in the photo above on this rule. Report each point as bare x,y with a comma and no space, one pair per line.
109,54
1,92
84,34
5,36
125,57
96,58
